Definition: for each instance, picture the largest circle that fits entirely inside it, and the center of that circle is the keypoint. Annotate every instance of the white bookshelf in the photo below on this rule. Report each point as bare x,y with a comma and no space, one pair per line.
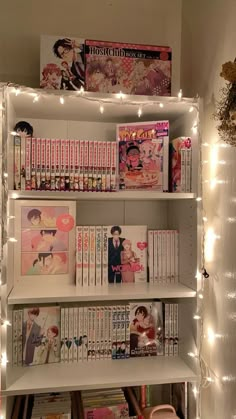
155,209
101,374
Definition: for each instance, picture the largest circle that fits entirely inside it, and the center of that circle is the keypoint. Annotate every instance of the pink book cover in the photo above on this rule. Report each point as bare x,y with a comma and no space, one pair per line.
176,145
63,165
28,163
72,165
77,165
95,164
113,166
104,165
67,165
86,164
108,176
48,164
33,164
99,172
81,166
90,163
58,166
43,165
134,69
38,163
53,165
120,411
143,155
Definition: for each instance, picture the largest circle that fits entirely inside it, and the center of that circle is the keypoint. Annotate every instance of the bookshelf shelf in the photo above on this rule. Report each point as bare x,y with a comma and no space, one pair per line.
49,292
102,196
101,374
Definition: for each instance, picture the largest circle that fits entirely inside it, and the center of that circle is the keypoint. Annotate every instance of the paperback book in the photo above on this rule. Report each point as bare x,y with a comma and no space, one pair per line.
112,67
181,164
143,155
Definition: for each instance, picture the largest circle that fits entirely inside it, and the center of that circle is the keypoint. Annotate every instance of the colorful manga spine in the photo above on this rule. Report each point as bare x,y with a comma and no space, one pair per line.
81,166
98,255
90,164
99,172
86,164
104,165
77,166
108,168
33,164
53,165
105,255
85,256
28,163
43,165
127,331
113,166
62,335
95,165
92,256
58,166
114,331
63,165
72,165
38,163
67,165
17,163
22,160
48,164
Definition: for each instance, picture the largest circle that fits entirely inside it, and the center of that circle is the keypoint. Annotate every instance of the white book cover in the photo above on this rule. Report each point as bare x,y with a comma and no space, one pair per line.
80,333
98,255
45,246
164,255
156,257
62,335
102,332
79,256
98,334
172,255
122,332
110,323
71,333
176,256
167,329
127,331
66,354
75,334
127,254
176,329
85,256
171,339
90,334
159,253
92,256
151,255
85,334
62,61
94,331
106,332
168,256
105,232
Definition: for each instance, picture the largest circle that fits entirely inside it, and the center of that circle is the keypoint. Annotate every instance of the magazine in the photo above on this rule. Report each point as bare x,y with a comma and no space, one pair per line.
41,335
146,329
45,234
61,63
112,67
143,155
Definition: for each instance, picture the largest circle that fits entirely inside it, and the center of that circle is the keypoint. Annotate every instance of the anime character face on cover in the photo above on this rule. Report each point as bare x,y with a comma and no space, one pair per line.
23,129
48,263
142,329
128,261
51,76
114,255
31,335
133,158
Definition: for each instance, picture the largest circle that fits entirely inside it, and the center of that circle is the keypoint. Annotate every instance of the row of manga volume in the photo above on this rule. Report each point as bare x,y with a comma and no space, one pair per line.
64,165
111,254
142,155
44,335
100,404
163,256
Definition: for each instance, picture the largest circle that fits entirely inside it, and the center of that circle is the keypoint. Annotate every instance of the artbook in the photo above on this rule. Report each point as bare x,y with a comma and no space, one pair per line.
45,235
143,155
112,67
41,335
181,164
146,329
62,63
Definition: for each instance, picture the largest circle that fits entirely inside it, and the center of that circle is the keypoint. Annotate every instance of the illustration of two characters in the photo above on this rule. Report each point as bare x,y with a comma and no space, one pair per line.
140,155
69,73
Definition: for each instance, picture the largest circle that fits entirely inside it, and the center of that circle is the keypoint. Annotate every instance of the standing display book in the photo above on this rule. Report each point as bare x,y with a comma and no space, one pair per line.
61,63
112,67
143,155
45,237
181,164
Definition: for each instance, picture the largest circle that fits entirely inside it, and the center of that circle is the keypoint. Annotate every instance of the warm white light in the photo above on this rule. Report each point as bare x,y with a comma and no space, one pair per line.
227,378
200,295
4,360
140,112
192,355
191,109
161,105
81,91
12,239
198,275
198,199
224,145
204,161
211,335
205,144
15,195
17,91
194,128
195,391
5,175
231,295
209,244
204,219
101,108
13,133
180,94
6,323
62,100
196,317
11,217
213,183
210,380
231,219
120,95
222,162
36,99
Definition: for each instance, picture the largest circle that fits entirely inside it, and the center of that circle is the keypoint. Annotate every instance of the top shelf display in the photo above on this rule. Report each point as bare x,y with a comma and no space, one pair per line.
86,106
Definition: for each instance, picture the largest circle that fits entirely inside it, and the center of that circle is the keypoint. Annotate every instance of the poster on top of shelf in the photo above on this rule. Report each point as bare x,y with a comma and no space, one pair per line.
134,69
45,240
61,63
143,155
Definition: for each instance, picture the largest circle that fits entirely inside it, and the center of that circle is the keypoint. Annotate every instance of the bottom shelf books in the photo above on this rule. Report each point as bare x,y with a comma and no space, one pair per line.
100,404
44,335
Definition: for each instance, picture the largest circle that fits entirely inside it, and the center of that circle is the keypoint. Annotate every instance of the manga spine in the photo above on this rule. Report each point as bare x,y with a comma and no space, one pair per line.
110,329
106,332
66,354
172,256
85,334
75,334
108,167
105,255
85,256
81,166
94,331
98,334
176,329
159,250
99,167
63,165
43,165
77,165
183,169
165,163
58,166
53,165
22,162
102,332
122,332
156,253
48,164
19,338
171,339
62,335
113,166
95,165
92,256
104,165
168,256
28,163
114,331
127,330
90,337
67,165
90,164
80,333
38,163
72,165
15,338
118,332
17,163
86,163
167,329
79,255
98,255
33,164
150,255
176,256
188,152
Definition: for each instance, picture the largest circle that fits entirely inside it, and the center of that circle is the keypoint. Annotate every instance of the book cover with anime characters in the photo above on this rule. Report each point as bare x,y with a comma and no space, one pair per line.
62,63
146,329
127,254
143,155
45,233
41,335
180,164
112,67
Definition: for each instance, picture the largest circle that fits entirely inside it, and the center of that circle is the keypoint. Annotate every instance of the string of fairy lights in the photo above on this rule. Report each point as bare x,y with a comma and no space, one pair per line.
208,236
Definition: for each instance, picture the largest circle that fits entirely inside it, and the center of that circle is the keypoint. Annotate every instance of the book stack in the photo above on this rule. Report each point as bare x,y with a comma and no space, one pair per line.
100,404
64,165
171,339
51,406
111,254
163,256
181,164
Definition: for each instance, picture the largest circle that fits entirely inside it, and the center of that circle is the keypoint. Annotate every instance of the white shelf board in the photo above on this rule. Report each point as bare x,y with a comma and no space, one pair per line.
101,374
49,291
86,107
102,196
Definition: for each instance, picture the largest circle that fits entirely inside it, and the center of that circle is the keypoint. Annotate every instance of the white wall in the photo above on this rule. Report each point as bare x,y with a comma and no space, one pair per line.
209,40
141,21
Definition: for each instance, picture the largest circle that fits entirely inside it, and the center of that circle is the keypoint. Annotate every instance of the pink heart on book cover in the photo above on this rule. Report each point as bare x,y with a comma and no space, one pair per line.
142,245
65,222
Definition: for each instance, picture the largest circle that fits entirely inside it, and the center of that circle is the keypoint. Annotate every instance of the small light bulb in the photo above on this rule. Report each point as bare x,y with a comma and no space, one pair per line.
191,109
17,91
211,335
15,195
13,133
139,112
195,391
196,317
198,275
180,94
204,219
210,380
161,105
200,295
101,109
194,128
4,360
192,355
199,198
36,99
5,175
62,100
120,95
81,91
12,239
6,323
205,144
